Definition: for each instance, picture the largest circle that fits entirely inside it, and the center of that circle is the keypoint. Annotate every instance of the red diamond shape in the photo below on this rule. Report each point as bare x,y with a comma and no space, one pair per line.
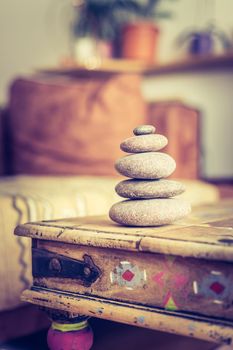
217,287
128,275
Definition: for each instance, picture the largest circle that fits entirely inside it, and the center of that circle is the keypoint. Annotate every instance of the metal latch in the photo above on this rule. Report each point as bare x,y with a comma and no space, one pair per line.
47,264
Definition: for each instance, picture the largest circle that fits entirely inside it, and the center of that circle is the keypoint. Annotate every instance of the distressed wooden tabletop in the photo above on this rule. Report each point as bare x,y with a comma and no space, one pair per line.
206,233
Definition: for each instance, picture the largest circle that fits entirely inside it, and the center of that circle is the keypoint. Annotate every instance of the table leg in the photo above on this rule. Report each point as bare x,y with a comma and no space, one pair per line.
68,332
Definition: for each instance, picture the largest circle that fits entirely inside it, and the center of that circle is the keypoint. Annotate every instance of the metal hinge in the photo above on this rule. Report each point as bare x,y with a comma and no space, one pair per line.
47,264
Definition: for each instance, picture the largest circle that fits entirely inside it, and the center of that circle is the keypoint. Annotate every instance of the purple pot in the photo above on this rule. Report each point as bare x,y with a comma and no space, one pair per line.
201,43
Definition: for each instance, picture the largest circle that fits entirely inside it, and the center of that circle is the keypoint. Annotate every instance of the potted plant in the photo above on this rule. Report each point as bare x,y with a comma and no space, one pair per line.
140,34
202,42
103,22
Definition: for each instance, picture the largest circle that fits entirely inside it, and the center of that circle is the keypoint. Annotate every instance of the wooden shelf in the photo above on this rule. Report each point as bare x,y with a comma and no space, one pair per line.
114,66
99,67
193,64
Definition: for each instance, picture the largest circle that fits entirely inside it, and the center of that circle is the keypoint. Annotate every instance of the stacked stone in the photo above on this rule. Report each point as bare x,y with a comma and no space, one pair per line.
150,196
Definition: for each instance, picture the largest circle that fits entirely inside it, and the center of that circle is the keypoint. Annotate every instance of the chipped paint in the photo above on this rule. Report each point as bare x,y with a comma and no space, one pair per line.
145,275
111,277
100,310
217,301
141,319
210,331
195,287
192,327
213,272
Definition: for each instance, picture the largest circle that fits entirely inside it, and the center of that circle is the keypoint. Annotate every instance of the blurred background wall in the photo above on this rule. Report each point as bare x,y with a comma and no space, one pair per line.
211,91
36,34
32,34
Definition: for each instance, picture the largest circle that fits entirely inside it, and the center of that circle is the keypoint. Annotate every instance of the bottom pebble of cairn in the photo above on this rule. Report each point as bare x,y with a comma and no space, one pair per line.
150,202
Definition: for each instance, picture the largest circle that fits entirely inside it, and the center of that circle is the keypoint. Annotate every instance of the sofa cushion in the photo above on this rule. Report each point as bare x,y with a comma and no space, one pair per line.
61,126
24,199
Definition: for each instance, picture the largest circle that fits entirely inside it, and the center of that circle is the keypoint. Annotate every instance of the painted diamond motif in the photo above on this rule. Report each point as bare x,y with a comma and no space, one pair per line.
217,287
128,275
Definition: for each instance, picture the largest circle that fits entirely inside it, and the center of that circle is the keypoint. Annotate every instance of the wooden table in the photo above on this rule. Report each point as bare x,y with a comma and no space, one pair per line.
176,278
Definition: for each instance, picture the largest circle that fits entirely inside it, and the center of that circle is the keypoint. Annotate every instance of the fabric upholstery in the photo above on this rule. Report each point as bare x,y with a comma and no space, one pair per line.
75,126
31,199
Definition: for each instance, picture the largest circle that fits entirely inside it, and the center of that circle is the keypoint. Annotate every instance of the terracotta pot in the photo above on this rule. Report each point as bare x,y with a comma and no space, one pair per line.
139,41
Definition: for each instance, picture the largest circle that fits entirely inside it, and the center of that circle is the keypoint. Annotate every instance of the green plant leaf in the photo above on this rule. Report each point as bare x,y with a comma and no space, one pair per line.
104,18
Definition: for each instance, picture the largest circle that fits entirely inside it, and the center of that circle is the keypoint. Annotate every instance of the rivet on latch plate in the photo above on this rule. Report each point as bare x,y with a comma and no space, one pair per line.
55,265
87,271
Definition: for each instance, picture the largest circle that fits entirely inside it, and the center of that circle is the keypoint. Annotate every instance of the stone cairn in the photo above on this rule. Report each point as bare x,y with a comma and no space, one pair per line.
150,195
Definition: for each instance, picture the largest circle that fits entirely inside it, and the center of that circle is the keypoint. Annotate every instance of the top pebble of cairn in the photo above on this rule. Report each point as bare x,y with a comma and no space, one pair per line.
150,202
144,130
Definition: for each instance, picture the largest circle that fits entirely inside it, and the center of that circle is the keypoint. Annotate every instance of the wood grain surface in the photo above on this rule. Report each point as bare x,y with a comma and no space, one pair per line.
206,233
201,328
